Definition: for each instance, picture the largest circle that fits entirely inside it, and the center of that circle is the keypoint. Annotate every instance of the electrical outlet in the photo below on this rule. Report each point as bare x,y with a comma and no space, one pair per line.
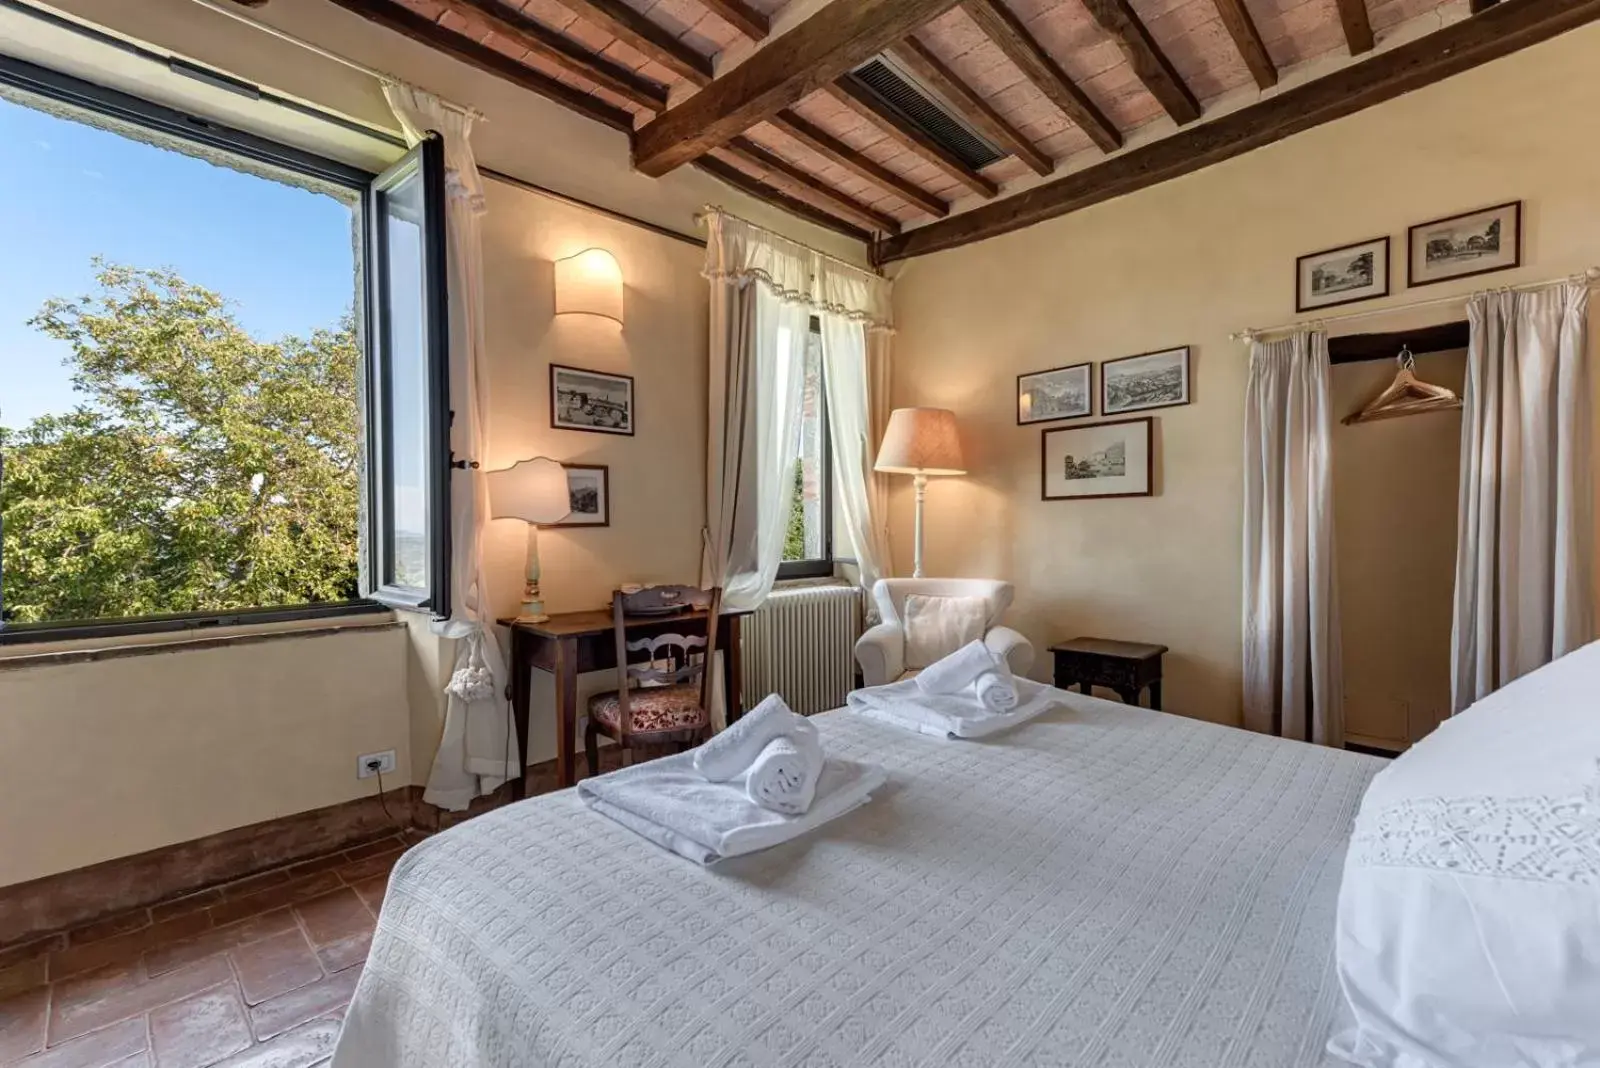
370,764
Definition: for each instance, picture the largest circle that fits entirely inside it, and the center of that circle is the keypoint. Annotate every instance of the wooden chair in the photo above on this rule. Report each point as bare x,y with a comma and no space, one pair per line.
666,698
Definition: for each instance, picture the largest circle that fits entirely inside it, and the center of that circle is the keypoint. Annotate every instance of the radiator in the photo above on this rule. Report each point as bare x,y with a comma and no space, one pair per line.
801,644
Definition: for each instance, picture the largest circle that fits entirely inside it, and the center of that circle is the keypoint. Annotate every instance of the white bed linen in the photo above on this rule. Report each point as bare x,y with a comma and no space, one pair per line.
1102,886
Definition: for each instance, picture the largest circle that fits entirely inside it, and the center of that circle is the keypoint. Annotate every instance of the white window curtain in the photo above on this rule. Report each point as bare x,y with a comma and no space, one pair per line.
477,751
1291,615
1524,593
764,290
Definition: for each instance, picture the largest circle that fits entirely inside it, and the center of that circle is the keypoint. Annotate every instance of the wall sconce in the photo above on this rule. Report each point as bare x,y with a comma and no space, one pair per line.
589,283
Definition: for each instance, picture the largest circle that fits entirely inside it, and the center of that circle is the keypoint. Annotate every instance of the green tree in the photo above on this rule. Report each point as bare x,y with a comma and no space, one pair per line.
202,469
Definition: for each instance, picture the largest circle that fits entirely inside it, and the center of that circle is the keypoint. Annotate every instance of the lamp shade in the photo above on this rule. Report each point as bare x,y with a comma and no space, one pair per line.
534,491
921,441
589,283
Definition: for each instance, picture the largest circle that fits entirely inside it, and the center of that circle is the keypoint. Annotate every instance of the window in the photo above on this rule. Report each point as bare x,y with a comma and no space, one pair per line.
808,546
205,415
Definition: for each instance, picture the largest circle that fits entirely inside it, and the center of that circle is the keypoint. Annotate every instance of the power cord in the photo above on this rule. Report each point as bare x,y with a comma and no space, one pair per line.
376,767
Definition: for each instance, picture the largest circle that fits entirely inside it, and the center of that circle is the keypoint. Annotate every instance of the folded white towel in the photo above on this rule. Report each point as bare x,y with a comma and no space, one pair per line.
949,715
730,752
996,691
960,669
671,804
784,777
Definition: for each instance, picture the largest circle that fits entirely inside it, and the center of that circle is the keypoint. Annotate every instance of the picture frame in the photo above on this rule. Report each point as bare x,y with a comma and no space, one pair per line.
1342,275
589,488
1464,245
596,402
1098,461
1144,381
1058,393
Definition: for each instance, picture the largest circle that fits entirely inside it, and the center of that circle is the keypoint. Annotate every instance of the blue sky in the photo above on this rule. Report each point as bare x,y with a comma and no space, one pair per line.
69,192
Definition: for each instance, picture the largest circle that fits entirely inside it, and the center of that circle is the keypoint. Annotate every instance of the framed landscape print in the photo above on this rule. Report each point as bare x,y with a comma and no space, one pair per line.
1103,460
589,487
590,400
1463,245
1342,275
1062,393
1149,380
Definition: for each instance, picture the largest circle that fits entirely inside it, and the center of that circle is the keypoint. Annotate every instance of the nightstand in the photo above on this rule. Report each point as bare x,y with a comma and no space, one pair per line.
1126,667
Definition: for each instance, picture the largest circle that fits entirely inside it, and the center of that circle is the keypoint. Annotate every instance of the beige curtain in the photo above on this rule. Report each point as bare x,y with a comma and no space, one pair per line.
1524,593
1291,613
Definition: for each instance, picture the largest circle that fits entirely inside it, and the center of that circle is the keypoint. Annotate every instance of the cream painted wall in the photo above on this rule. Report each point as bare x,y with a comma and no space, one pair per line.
1187,262
115,757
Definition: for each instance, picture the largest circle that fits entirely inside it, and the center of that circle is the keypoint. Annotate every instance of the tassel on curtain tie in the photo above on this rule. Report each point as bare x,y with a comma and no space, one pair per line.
474,682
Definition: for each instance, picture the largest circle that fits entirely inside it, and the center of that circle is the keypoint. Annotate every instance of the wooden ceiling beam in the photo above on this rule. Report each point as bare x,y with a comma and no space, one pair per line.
972,107
733,176
1247,39
909,137
793,180
834,40
560,50
1357,25
1496,32
633,29
1002,27
408,23
825,144
1149,63
742,17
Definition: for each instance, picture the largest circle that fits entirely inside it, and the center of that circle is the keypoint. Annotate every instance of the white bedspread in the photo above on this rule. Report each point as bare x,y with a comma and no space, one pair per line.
1102,886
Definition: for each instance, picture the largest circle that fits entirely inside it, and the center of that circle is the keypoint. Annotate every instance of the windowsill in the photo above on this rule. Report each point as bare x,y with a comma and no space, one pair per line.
101,637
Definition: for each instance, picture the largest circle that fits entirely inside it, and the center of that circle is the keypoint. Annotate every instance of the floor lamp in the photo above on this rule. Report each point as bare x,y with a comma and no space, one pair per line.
920,442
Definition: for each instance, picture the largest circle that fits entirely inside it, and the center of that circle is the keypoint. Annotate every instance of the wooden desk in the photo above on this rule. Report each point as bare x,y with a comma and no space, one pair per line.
570,643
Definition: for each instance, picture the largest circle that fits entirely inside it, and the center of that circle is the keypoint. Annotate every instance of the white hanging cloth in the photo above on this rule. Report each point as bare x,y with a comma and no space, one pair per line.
478,748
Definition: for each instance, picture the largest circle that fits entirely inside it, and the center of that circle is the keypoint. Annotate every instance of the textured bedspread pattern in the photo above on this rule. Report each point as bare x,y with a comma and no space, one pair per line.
1102,886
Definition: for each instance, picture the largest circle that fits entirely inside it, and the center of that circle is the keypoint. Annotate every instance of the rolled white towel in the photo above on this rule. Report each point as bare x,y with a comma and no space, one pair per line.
730,753
997,691
784,777
960,669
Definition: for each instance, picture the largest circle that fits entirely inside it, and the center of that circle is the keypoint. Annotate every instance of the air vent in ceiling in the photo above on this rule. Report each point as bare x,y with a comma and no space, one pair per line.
898,90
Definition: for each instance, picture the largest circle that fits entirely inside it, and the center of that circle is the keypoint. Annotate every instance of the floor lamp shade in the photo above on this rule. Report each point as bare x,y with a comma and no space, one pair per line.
921,442
534,491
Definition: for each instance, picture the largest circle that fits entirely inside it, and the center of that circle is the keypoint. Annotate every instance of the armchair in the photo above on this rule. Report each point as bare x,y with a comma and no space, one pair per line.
881,650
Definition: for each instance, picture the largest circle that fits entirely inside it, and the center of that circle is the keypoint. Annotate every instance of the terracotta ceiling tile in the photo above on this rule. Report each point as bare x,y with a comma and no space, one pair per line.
952,34
1028,10
550,12
1006,170
589,35
1386,14
504,46
1124,99
428,9
451,21
619,51
677,17
712,29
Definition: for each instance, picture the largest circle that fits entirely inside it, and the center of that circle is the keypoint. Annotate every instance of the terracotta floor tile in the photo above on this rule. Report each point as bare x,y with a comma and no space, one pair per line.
198,1031
125,948
25,952
20,978
387,844
272,1018
100,998
250,884
96,1050
371,891
22,1021
323,863
237,908
138,1060
306,1045
164,959
184,905
335,916
337,956
275,966
367,867
121,923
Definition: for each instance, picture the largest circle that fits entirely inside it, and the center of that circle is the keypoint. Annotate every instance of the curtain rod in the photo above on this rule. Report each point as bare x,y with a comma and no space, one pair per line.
713,209
1589,275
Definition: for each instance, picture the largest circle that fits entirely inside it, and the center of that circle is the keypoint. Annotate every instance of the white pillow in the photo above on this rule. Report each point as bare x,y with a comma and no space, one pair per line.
1469,916
938,626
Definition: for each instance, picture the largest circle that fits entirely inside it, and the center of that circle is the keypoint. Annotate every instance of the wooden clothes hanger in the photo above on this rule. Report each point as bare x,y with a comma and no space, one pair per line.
1406,395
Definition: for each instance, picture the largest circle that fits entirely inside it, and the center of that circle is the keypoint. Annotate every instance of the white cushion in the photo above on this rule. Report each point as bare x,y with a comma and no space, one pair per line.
1469,915
938,626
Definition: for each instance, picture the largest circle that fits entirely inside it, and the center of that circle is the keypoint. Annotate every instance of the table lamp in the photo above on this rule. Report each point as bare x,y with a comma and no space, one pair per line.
534,491
920,442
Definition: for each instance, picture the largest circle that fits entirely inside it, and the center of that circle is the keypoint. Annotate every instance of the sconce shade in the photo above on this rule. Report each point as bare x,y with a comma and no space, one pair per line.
589,283
534,491
921,441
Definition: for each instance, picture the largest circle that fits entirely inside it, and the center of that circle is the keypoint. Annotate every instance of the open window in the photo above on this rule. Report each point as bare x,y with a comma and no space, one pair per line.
808,543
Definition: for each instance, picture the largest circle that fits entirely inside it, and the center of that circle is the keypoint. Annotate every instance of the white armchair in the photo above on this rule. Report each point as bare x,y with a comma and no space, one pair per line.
881,651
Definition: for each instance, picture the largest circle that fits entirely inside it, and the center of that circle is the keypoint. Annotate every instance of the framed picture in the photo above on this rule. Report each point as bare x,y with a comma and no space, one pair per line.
1462,245
1149,380
1342,275
590,400
1103,460
1062,393
589,487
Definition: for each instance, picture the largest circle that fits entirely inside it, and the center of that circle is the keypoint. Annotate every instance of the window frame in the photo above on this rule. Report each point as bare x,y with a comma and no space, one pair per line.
825,565
65,88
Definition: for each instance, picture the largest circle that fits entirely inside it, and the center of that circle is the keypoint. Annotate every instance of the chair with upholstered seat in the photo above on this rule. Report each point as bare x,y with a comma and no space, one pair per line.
884,652
663,699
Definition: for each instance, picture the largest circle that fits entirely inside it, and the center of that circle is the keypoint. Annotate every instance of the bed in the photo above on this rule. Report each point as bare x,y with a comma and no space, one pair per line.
1103,886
